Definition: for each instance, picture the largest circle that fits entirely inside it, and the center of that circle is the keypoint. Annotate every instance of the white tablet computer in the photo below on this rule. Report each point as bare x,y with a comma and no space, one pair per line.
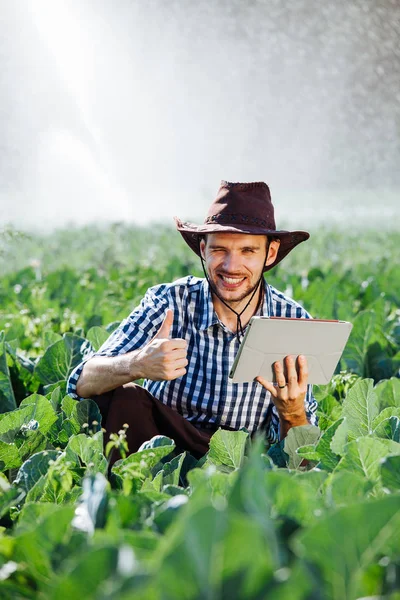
268,339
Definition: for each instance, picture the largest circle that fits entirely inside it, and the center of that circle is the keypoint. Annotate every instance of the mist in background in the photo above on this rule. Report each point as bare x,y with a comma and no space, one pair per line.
134,111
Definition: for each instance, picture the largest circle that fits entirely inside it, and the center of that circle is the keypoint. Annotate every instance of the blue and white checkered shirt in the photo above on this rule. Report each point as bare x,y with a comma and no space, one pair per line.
205,395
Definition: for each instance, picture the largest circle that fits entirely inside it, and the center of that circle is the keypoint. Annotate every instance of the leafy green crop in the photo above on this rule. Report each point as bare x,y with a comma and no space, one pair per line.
313,517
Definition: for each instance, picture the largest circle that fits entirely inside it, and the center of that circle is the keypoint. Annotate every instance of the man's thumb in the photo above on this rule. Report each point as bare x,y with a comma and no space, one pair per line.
165,329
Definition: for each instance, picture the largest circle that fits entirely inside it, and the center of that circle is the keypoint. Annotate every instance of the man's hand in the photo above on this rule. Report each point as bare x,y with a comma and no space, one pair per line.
162,358
289,392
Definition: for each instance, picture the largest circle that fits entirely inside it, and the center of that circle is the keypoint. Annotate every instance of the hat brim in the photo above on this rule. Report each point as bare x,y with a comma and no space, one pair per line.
288,239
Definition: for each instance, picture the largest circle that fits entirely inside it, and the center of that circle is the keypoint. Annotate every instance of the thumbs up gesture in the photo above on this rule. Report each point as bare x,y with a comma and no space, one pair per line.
163,359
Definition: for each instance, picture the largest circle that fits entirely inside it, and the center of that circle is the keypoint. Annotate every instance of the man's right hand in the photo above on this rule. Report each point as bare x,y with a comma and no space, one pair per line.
162,358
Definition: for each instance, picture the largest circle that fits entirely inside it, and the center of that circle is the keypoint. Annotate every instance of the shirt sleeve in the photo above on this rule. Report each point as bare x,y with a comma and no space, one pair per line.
134,331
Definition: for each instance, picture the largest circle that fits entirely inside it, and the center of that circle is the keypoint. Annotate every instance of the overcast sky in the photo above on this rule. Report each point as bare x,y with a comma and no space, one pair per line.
135,111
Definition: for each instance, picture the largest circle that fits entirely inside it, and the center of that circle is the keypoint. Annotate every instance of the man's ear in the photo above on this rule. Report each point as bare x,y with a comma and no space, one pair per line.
202,247
272,252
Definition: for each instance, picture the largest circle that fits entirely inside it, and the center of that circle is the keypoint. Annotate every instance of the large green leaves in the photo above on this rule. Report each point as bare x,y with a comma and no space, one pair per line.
360,408
34,468
227,449
10,458
87,451
388,393
61,357
41,548
23,431
87,576
344,544
362,335
97,336
135,468
297,437
364,456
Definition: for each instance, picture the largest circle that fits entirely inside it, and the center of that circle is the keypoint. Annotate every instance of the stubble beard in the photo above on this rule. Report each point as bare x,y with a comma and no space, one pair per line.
234,303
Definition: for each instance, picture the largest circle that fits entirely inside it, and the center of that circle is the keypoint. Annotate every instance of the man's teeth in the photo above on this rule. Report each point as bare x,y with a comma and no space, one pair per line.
232,280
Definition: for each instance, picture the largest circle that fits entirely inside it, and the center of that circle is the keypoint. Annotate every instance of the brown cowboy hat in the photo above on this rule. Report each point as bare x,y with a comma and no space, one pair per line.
242,208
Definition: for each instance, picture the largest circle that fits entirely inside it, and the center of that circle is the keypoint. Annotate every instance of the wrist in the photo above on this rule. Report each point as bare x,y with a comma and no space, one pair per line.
294,419
135,366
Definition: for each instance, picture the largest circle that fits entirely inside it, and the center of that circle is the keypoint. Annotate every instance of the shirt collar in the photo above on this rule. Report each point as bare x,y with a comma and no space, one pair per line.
206,316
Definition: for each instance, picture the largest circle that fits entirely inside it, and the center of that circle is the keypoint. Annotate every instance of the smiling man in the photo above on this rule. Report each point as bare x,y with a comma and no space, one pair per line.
183,338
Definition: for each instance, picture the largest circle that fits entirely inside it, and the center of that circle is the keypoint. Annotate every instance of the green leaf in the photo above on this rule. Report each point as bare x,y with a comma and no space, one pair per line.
11,423
7,399
50,337
33,468
390,473
41,410
362,335
172,469
360,407
227,449
292,498
35,412
388,393
10,457
92,508
157,441
250,495
97,336
88,412
9,497
188,558
216,482
328,458
59,385
345,487
166,513
61,358
246,563
297,437
389,429
31,515
308,452
340,438
329,410
375,531
55,398
386,413
364,455
69,428
89,450
140,463
40,547
68,406
278,456
86,575
35,442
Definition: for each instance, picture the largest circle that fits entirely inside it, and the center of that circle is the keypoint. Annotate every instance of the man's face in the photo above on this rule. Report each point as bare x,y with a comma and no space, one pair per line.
235,262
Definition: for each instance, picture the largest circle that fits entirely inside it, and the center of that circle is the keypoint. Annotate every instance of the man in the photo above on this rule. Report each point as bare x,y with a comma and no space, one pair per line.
183,337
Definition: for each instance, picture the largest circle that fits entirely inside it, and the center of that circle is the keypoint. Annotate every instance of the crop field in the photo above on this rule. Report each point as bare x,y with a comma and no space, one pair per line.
247,521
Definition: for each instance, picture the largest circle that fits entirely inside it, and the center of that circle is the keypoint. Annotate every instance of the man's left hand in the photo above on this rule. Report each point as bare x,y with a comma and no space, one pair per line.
289,391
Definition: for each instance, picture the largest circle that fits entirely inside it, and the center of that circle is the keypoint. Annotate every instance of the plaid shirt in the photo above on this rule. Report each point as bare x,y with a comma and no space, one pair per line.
205,395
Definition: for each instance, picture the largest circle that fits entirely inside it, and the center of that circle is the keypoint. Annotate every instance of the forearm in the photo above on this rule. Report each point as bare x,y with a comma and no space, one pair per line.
104,373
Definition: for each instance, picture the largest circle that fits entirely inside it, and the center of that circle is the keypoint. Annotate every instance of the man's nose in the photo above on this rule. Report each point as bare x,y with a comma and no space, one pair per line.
232,262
